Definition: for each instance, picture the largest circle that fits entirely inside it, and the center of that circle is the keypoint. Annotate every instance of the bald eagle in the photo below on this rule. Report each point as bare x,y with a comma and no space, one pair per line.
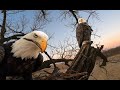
22,57
83,32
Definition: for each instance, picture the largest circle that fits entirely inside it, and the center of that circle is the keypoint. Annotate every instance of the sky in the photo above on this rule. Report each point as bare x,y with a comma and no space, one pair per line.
108,27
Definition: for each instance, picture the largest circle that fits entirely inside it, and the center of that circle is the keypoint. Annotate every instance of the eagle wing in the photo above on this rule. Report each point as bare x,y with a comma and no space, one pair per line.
79,34
38,62
2,53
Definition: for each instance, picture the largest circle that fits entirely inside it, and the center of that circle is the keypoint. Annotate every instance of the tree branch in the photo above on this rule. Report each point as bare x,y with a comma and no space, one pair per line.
74,15
90,15
44,14
3,30
13,37
46,64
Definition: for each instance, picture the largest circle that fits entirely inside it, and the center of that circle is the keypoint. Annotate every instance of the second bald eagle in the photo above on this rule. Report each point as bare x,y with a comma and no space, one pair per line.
83,32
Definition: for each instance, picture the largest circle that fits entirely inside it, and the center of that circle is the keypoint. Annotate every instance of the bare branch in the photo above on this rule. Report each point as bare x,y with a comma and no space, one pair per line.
44,13
74,15
47,63
23,23
3,29
90,15
40,20
14,31
51,36
16,36
15,11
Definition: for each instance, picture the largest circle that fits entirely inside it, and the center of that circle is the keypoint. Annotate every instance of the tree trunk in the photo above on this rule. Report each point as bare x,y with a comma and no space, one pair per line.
85,60
3,30
82,66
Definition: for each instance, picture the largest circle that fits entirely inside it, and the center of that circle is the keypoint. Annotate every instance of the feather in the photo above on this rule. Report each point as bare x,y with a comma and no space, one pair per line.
2,53
83,33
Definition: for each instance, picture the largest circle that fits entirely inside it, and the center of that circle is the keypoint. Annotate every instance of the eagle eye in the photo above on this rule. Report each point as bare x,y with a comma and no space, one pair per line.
35,35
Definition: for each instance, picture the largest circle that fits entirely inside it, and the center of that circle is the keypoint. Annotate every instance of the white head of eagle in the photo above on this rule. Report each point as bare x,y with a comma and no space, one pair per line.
81,20
30,45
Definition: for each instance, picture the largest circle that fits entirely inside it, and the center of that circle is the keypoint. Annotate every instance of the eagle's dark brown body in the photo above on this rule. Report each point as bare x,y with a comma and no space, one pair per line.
12,66
83,33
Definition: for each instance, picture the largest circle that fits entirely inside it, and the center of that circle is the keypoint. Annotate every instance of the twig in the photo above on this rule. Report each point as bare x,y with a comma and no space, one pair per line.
90,15
50,59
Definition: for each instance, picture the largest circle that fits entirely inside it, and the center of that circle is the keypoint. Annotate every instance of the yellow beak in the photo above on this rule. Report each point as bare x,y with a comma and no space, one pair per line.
43,45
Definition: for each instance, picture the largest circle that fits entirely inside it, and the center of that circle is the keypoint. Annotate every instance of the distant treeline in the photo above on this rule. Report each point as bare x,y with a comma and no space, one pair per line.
112,52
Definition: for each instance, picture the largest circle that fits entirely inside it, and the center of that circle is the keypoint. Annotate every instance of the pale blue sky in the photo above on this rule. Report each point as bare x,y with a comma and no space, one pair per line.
109,27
